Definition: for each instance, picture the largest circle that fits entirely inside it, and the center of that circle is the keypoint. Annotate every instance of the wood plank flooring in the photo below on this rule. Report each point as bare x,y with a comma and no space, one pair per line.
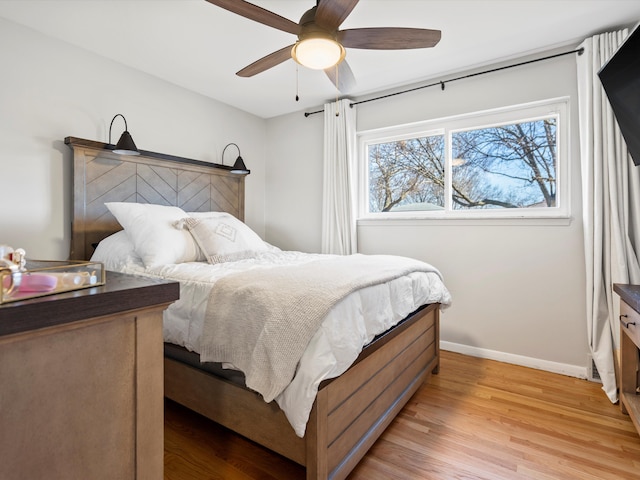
477,419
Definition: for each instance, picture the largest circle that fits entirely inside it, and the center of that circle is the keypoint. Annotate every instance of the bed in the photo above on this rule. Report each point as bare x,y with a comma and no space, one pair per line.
348,413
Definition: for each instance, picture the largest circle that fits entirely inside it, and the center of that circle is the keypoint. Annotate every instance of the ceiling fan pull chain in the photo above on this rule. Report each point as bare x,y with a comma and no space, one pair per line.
297,86
337,91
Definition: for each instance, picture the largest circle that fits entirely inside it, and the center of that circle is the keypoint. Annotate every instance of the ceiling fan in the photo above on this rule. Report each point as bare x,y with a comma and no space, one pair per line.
321,45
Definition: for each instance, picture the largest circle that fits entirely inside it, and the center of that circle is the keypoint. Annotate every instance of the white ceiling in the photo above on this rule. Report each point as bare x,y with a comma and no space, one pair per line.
199,46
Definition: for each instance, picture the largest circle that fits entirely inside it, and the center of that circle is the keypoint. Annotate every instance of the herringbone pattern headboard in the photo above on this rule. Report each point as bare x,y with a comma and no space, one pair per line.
100,176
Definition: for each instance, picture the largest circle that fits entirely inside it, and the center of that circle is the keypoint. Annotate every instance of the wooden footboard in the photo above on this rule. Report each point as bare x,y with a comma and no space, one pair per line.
350,412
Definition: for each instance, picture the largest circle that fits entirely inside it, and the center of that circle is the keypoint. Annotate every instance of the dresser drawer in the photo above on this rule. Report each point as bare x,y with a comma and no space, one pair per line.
630,318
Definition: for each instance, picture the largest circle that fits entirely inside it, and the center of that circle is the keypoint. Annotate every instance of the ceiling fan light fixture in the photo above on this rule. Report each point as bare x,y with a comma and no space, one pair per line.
318,52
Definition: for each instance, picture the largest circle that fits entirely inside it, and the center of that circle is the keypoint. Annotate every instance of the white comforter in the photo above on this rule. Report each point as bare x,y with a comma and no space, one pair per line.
334,347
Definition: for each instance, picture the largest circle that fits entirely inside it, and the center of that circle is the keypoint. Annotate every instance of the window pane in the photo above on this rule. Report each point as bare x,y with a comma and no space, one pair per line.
509,166
407,175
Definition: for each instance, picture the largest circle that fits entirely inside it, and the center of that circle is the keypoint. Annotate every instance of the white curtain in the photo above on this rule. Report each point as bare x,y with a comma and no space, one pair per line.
611,197
340,186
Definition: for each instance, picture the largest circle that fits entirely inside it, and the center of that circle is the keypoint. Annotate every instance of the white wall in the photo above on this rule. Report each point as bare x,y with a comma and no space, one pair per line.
518,289
294,179
50,90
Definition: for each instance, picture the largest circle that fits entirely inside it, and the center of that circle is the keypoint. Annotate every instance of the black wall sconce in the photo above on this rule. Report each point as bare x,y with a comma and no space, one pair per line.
125,145
239,166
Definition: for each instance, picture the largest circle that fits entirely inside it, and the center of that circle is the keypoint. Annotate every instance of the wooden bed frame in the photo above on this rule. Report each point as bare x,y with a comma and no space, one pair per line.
349,413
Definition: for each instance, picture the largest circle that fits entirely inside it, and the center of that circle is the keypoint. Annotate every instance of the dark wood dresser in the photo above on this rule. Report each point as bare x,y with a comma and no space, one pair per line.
629,350
81,382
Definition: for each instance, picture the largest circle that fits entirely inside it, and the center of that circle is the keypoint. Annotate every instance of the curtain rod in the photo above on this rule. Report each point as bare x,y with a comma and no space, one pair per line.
442,83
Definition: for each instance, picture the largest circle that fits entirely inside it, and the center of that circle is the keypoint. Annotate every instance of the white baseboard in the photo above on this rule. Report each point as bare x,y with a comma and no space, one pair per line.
554,367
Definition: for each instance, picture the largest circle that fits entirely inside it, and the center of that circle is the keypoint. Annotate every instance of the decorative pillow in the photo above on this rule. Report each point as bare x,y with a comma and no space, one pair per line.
116,252
150,229
202,257
222,237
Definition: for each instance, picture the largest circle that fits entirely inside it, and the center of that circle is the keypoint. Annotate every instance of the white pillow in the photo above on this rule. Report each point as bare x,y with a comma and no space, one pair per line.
116,252
222,237
208,214
150,229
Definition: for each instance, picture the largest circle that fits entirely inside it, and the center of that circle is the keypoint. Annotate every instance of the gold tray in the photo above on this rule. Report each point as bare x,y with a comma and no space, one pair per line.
48,277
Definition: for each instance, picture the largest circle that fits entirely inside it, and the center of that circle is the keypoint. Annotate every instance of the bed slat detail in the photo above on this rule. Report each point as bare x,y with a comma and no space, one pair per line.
224,196
234,407
156,185
106,174
359,418
343,386
366,393
194,192
344,454
371,413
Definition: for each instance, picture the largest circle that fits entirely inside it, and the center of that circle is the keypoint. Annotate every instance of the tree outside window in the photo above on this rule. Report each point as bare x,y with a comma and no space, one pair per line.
508,166
407,174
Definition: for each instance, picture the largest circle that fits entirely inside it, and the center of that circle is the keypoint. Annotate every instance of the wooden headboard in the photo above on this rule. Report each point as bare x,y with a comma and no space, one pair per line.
100,176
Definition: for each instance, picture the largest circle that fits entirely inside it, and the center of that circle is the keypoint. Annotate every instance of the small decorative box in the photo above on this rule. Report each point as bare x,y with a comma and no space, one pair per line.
48,277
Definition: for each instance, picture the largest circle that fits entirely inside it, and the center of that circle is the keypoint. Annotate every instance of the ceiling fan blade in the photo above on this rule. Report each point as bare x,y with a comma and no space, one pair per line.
265,63
258,14
331,13
390,38
344,80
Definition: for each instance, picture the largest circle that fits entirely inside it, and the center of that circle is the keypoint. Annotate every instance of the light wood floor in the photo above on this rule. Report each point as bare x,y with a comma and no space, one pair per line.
478,419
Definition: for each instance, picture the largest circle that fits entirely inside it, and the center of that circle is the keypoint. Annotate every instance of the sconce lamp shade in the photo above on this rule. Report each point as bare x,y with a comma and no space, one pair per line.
238,167
126,145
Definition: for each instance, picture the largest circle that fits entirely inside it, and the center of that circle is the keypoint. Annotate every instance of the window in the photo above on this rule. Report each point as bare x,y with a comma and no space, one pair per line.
505,163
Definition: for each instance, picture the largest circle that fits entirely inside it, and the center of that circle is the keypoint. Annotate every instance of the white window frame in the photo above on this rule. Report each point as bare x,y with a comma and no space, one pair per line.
557,107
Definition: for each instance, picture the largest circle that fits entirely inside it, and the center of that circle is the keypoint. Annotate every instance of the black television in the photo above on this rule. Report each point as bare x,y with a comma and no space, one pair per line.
620,77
